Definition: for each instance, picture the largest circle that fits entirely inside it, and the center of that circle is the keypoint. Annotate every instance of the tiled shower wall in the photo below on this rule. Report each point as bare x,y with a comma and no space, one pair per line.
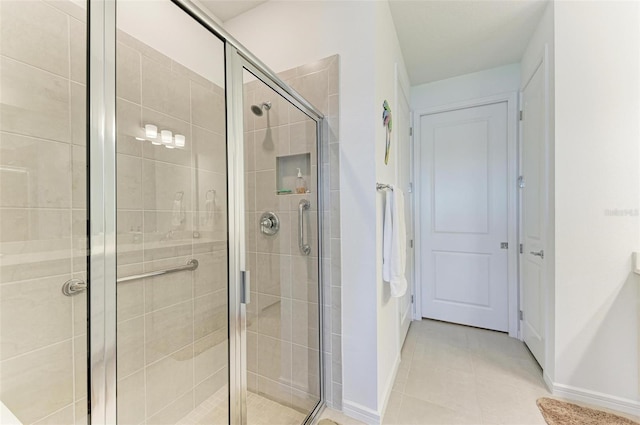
42,210
172,329
282,322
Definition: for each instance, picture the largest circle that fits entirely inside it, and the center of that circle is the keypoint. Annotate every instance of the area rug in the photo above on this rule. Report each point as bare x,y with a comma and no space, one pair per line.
556,412
327,422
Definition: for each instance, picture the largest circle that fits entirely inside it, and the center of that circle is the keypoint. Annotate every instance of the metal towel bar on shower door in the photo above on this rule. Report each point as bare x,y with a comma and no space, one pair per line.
302,206
75,286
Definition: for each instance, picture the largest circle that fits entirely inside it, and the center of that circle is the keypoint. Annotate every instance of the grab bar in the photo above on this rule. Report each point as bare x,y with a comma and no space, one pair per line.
302,206
75,286
191,265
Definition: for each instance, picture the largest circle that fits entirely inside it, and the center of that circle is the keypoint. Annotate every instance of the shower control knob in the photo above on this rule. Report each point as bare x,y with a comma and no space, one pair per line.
269,223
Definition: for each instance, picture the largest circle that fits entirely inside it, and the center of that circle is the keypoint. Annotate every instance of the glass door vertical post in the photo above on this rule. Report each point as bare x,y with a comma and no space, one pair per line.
101,189
237,266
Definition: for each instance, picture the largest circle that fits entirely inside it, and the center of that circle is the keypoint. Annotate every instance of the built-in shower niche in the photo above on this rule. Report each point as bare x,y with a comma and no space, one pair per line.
287,172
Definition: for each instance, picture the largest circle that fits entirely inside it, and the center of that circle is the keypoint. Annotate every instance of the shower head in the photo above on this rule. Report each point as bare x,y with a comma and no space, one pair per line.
257,110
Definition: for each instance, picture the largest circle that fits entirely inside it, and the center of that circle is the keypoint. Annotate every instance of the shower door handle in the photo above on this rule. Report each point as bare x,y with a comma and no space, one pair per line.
302,206
246,287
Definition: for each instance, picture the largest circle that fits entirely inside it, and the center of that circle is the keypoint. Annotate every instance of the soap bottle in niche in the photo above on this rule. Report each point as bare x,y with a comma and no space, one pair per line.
301,185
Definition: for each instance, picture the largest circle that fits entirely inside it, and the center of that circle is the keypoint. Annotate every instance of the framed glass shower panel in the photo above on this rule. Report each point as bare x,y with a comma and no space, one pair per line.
172,225
43,212
282,253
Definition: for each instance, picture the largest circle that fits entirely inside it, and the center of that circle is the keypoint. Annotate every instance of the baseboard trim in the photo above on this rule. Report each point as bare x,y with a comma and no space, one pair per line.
389,386
548,381
367,415
361,413
594,398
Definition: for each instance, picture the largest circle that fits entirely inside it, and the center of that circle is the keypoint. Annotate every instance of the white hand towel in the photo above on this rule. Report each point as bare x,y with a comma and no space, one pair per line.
395,243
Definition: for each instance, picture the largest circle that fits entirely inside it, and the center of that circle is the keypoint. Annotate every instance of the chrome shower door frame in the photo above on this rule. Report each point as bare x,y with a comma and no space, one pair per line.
101,192
237,263
101,188
237,62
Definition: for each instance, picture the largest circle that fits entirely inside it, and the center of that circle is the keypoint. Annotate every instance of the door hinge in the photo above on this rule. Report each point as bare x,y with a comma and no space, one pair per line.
521,115
521,249
521,315
411,299
410,189
521,182
504,245
410,131
411,243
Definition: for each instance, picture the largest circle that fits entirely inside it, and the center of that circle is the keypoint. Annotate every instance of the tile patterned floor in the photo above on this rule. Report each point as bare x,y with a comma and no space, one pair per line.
452,374
260,411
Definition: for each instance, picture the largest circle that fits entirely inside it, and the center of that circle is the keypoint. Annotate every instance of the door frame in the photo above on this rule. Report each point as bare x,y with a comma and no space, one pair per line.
511,98
402,94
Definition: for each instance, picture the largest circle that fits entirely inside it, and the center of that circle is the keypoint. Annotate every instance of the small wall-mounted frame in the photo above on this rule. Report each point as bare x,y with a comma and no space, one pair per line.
287,172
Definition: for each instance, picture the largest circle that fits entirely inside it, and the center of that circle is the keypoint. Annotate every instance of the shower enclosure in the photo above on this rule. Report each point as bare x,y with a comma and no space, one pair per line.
159,226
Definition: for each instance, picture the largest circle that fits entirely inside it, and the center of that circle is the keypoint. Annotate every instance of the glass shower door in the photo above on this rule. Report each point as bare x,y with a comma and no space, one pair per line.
43,212
172,245
281,248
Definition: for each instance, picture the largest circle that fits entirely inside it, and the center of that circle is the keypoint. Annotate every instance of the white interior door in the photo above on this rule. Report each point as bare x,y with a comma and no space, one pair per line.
464,210
532,215
404,181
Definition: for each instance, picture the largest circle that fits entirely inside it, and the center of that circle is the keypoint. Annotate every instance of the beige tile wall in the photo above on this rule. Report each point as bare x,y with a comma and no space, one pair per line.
172,329
283,323
42,201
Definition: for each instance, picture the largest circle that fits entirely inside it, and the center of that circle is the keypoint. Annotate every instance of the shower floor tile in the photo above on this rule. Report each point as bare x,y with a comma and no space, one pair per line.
260,411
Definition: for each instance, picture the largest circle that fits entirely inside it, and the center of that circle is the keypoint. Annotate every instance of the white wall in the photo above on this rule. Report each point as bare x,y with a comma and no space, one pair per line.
597,75
480,84
542,39
388,58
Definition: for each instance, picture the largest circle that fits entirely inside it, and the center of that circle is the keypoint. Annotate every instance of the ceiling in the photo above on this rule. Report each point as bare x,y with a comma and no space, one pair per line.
444,38
225,9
